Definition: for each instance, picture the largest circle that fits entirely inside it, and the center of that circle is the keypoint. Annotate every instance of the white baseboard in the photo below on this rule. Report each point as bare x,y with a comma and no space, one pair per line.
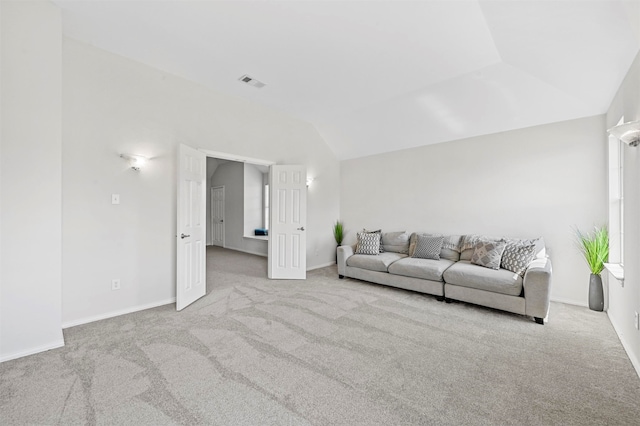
32,351
569,302
627,347
118,313
324,265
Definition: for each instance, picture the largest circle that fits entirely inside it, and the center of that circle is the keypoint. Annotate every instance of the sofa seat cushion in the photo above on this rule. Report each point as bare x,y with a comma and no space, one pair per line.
465,274
379,262
428,269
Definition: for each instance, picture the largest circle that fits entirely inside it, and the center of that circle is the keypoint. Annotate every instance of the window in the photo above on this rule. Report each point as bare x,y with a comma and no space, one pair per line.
266,206
616,200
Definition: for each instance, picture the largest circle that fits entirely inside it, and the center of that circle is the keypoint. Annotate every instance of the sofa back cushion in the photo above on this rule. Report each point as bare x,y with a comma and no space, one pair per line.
450,245
466,254
396,242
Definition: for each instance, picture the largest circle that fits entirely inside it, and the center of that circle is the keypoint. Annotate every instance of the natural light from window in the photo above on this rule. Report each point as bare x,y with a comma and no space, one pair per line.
266,206
616,203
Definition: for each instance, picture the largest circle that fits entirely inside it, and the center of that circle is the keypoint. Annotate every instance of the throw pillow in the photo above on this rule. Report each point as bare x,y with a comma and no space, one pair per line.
450,246
537,242
368,243
469,241
377,231
517,257
488,253
413,242
428,247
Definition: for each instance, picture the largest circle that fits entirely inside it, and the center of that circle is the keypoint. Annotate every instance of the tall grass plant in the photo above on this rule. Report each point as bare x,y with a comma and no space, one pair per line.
595,248
338,231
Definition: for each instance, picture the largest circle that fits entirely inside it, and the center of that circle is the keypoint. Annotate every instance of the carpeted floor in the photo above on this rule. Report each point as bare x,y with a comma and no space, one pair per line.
325,352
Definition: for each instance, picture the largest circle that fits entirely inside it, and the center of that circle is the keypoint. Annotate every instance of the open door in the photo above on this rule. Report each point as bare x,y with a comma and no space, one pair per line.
288,212
191,247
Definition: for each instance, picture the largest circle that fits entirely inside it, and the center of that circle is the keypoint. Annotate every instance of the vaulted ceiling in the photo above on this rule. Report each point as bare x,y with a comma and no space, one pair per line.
378,76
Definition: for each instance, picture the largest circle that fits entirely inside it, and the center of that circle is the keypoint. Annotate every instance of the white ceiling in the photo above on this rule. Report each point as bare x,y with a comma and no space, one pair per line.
378,76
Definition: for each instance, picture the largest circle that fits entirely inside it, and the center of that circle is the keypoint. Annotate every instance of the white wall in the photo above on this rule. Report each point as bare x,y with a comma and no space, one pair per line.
624,301
30,177
539,181
112,105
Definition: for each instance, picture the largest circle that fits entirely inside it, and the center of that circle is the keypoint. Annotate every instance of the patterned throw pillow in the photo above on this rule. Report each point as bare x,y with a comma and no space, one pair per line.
469,241
428,247
377,231
488,253
368,243
413,242
516,257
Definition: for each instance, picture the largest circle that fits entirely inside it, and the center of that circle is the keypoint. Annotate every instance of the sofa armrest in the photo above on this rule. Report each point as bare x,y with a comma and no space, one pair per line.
344,252
537,288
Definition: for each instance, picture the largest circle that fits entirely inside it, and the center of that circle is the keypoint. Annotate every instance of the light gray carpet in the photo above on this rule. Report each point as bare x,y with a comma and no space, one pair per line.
326,352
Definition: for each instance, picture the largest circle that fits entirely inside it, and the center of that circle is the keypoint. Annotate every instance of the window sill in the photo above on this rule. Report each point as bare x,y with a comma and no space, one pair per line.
257,237
616,270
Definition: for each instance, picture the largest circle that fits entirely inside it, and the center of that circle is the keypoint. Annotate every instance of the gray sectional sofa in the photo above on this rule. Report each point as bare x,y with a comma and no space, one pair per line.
456,274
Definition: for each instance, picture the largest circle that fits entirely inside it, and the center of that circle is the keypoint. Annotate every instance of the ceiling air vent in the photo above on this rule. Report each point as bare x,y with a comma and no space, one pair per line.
251,81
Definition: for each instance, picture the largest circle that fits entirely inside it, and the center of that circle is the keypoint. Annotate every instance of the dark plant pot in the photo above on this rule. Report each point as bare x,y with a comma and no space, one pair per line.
596,295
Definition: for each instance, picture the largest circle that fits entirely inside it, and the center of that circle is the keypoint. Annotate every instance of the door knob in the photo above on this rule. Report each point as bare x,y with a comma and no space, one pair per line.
184,236
301,229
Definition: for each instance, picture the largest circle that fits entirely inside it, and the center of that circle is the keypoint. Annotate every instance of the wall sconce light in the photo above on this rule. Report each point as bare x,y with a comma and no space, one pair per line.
136,162
309,181
628,133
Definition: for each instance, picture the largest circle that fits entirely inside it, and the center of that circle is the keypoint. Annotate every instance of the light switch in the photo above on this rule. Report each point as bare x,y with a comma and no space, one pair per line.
115,198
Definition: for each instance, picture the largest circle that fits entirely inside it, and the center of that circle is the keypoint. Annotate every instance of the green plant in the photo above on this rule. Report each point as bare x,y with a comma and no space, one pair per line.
338,231
595,248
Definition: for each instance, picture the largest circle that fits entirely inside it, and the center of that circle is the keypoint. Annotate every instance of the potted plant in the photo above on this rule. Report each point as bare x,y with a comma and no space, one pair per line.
338,231
595,248
338,234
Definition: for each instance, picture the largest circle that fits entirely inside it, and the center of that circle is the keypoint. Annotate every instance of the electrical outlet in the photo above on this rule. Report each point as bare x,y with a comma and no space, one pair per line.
115,284
637,322
115,198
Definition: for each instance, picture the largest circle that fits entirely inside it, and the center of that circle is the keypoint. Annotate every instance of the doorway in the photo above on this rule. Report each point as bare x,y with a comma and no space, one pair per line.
287,216
235,205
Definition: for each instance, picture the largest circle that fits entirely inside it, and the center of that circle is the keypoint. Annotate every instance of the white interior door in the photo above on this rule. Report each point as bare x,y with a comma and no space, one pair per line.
191,212
288,212
217,216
